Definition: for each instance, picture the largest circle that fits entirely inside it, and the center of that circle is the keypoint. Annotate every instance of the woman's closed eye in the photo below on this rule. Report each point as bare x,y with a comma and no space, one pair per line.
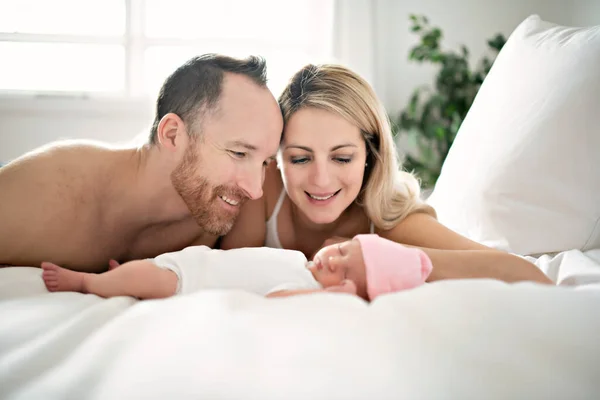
299,160
343,160
304,160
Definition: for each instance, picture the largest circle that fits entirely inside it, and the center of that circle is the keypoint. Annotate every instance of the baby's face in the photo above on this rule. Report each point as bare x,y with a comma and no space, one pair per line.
334,263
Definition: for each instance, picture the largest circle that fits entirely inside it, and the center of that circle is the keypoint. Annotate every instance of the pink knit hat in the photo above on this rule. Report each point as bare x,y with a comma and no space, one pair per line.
390,266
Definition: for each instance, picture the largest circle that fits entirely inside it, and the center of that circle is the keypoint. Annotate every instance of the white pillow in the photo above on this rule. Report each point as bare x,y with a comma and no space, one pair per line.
524,171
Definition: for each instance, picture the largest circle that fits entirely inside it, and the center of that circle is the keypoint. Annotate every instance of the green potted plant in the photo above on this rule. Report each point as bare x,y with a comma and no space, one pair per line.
433,115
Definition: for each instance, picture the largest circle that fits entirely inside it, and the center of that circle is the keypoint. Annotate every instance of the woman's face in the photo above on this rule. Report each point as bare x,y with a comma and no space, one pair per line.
322,162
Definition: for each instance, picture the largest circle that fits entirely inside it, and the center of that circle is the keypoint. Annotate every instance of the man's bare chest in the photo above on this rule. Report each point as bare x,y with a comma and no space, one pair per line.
162,238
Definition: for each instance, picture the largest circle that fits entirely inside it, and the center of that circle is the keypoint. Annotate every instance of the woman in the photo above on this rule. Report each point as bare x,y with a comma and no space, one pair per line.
337,176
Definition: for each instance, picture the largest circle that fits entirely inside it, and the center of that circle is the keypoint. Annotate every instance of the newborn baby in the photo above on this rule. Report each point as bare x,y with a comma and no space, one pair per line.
366,265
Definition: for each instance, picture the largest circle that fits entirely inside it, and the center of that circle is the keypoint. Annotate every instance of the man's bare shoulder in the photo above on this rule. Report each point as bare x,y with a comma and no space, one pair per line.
55,162
51,198
58,153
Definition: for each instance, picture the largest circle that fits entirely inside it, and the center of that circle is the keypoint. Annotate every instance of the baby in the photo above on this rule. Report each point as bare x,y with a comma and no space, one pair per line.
366,265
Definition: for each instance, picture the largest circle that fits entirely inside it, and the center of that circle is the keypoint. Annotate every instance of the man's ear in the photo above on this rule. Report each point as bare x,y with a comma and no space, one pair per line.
171,132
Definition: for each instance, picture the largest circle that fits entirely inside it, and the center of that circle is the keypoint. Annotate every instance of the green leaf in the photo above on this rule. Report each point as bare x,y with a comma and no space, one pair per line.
437,56
497,42
418,53
412,140
450,109
414,102
433,115
440,132
427,155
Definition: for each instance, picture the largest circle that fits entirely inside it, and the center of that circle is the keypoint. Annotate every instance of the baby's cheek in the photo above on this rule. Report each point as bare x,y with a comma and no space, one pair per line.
323,254
332,277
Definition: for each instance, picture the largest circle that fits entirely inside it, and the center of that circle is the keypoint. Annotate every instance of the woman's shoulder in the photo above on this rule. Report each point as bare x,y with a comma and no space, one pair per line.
272,188
249,229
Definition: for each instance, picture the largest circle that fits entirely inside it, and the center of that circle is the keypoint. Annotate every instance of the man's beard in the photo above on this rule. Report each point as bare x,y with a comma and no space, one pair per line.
202,199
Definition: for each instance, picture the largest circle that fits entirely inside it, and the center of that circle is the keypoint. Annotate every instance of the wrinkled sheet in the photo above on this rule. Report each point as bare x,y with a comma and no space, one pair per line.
467,339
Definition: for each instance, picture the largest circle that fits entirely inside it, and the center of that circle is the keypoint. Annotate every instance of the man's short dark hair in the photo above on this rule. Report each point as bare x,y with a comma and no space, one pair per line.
196,86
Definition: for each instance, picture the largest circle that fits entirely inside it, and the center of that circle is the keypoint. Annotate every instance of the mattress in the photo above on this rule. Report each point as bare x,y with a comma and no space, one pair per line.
462,339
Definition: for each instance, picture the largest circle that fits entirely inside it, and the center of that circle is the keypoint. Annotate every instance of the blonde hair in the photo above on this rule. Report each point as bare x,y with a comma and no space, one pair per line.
388,194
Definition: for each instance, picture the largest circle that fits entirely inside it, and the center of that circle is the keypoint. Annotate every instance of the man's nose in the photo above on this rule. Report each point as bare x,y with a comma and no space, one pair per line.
320,174
252,183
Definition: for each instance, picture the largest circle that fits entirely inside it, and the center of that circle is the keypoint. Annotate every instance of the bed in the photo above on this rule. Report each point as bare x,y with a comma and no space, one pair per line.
460,339
454,339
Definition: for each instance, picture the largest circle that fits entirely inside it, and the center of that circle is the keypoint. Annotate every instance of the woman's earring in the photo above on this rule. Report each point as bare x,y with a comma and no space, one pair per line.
366,164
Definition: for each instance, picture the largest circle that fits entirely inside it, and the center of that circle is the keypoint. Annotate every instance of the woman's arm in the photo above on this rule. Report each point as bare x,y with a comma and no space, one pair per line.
457,264
346,286
288,293
454,257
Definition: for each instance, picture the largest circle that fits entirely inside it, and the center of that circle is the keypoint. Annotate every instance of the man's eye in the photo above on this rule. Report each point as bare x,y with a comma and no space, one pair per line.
299,160
238,154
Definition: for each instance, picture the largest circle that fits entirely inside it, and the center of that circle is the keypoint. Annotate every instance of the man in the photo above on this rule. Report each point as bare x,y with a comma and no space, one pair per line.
79,205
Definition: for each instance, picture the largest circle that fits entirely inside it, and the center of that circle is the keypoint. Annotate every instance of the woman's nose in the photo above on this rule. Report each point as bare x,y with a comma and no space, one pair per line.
320,175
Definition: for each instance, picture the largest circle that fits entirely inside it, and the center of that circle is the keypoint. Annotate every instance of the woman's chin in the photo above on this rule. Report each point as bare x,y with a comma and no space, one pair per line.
320,214
323,218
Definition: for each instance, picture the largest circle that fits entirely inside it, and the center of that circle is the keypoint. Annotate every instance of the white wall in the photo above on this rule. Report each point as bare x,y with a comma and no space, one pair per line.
468,22
29,123
26,124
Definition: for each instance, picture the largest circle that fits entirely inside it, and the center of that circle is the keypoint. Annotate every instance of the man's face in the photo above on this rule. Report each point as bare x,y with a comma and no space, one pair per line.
225,166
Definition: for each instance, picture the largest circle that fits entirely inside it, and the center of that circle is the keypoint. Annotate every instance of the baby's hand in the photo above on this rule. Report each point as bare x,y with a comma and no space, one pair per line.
346,286
112,264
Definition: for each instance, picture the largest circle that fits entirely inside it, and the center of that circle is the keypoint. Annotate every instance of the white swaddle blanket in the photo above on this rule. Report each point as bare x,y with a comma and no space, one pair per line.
259,270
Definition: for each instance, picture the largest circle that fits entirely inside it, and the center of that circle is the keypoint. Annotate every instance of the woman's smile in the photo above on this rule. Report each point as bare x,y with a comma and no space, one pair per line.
322,198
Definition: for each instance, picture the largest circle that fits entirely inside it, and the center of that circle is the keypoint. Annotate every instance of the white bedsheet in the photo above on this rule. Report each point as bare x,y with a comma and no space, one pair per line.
479,339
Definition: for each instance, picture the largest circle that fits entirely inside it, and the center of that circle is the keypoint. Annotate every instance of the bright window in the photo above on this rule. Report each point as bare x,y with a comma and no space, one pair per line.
128,47
63,17
55,67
